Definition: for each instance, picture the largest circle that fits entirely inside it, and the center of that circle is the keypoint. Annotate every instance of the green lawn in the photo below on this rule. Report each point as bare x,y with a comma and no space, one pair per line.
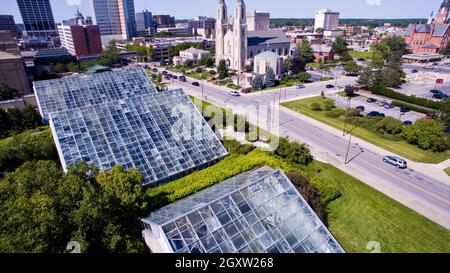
361,54
400,147
447,171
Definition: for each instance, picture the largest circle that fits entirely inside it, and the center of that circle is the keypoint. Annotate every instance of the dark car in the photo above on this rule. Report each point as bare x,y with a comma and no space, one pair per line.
381,115
435,91
196,84
329,86
164,73
404,109
371,100
361,59
440,96
414,71
174,77
155,70
373,114
362,108
182,78
407,123
430,116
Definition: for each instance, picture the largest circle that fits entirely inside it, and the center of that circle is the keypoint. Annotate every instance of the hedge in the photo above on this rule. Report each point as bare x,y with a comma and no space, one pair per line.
413,107
383,91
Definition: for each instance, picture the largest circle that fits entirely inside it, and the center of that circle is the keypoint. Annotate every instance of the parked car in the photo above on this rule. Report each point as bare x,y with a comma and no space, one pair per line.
362,108
371,100
174,77
414,71
396,161
182,78
164,73
196,84
361,59
440,96
407,123
373,114
155,70
404,109
435,91
329,86
381,115
234,93
447,129
388,106
430,116
301,86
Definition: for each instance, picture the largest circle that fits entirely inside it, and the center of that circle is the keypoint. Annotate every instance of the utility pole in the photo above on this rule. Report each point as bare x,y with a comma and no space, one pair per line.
348,149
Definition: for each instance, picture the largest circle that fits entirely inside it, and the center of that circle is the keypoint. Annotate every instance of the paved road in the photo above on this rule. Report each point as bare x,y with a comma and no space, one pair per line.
418,191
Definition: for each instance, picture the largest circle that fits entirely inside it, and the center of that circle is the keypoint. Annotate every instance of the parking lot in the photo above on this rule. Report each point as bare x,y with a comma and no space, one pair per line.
341,102
420,83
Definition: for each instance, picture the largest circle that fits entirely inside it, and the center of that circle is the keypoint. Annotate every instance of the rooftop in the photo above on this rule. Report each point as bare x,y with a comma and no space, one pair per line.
265,37
438,30
8,56
267,55
255,212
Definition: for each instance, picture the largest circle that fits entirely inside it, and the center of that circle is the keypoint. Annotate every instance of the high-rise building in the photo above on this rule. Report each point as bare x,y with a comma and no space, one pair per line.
327,20
258,21
115,18
38,18
7,23
144,21
164,21
203,26
78,19
81,40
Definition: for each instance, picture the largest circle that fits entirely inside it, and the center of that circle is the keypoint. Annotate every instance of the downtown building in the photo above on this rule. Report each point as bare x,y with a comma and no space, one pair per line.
79,37
38,18
328,21
258,21
7,23
144,23
115,18
431,38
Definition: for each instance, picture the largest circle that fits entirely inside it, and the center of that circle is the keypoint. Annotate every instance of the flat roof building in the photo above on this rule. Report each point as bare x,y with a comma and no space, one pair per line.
81,40
326,19
258,21
12,72
255,212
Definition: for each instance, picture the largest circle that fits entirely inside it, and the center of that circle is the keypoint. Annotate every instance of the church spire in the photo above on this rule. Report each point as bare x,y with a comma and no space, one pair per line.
442,15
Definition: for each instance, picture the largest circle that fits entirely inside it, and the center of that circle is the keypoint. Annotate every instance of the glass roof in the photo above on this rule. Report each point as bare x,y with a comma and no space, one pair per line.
254,212
161,134
91,89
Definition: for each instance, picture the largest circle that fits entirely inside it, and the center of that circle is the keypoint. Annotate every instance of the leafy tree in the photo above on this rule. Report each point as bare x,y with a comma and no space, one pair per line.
306,53
188,63
392,77
60,68
340,46
303,76
270,79
350,91
7,93
30,118
351,67
4,124
15,119
319,30
366,78
377,61
222,70
248,68
296,64
112,46
294,152
428,135
207,61
72,67
258,82
346,57
389,125
316,106
329,104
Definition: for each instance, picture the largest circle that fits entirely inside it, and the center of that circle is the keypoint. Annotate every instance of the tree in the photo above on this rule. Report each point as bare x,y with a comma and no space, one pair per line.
296,64
319,30
5,126
377,61
428,135
316,106
72,67
60,68
366,78
188,63
207,61
112,46
258,83
351,67
306,53
340,46
389,125
270,80
7,93
303,76
30,118
248,68
222,70
294,152
350,90
346,57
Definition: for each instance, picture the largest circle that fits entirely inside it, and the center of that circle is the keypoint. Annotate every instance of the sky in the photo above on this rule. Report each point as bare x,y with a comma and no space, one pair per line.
184,9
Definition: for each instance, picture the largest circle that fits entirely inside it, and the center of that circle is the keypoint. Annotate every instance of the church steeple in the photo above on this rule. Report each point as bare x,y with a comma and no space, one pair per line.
442,16
221,30
240,35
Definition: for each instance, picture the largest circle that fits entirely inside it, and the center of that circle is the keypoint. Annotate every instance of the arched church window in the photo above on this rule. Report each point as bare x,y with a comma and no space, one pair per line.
229,47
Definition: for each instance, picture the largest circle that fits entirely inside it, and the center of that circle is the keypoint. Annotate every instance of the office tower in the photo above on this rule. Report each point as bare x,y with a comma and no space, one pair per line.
144,21
258,21
7,23
81,40
115,18
164,21
38,18
326,20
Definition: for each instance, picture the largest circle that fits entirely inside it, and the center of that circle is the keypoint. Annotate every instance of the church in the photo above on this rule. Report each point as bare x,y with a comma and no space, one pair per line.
430,38
238,46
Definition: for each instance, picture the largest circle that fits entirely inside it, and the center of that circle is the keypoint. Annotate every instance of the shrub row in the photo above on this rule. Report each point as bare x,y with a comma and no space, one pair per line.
383,91
413,107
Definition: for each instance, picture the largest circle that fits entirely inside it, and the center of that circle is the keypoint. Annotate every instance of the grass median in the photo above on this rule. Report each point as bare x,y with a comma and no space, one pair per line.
399,147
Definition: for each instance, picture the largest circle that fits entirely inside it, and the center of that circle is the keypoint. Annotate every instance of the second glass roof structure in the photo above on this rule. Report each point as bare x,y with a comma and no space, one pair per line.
91,89
161,134
255,212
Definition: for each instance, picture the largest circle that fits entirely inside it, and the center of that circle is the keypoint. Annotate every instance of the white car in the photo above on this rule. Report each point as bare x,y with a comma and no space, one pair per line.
396,161
234,94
